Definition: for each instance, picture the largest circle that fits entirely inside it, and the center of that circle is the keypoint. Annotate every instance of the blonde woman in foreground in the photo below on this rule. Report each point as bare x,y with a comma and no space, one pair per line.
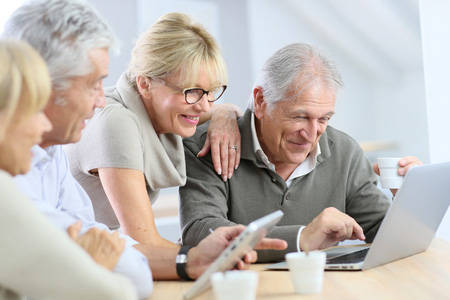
36,259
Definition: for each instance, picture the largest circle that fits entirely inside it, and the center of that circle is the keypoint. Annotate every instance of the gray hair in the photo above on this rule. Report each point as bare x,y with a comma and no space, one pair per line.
299,62
63,32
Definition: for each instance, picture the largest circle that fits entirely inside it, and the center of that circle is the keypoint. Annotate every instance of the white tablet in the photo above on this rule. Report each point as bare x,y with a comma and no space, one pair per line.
241,245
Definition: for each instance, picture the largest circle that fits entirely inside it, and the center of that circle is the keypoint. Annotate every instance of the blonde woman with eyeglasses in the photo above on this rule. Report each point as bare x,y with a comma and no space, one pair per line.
133,147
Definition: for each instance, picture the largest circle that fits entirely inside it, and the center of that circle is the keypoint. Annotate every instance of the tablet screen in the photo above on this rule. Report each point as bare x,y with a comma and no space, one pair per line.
241,245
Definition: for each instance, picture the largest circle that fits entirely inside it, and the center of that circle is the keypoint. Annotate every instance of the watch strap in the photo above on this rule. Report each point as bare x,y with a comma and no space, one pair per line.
181,262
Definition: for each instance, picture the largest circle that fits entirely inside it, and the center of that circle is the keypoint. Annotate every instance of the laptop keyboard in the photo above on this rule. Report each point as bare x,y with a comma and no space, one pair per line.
350,258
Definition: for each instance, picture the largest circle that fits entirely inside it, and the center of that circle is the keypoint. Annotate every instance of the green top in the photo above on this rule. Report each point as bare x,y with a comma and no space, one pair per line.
343,178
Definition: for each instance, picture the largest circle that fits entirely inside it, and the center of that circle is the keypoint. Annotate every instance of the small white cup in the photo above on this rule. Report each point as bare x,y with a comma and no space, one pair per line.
306,271
389,177
235,285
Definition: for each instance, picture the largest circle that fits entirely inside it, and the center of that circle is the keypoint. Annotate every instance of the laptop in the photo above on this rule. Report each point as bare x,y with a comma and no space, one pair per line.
408,227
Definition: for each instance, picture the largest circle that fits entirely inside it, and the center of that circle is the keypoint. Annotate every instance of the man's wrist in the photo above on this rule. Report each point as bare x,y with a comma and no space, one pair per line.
299,235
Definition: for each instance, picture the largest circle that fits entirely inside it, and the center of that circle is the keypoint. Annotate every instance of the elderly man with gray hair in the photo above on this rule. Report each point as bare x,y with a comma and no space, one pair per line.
290,160
74,42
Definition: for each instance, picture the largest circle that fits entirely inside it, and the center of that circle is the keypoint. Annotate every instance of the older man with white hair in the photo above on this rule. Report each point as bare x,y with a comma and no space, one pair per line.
290,160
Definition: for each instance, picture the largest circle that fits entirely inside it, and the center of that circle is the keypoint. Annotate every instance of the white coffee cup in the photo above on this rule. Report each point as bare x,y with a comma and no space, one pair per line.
389,177
306,271
235,285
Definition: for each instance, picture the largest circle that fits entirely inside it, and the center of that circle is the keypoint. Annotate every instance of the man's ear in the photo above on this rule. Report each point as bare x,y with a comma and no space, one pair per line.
57,98
259,105
143,84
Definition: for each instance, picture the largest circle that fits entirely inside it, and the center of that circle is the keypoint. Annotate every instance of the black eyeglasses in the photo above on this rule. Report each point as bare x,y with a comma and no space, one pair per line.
194,95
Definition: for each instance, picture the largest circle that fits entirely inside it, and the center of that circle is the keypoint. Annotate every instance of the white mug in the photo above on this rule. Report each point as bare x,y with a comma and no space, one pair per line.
235,285
306,271
389,177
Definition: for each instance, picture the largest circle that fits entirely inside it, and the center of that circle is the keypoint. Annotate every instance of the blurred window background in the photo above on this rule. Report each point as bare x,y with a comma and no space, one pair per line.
376,45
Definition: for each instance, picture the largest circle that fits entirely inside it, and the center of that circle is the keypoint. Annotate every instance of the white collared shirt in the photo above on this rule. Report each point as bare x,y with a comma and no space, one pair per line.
51,187
302,169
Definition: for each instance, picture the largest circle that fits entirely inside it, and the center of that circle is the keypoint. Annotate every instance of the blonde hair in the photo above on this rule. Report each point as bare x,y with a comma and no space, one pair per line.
176,44
24,79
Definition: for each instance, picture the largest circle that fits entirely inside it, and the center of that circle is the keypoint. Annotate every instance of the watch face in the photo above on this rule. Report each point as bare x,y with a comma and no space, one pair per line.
181,259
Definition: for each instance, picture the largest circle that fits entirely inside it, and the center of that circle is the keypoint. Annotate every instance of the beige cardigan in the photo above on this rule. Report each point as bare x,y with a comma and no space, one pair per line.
121,135
39,261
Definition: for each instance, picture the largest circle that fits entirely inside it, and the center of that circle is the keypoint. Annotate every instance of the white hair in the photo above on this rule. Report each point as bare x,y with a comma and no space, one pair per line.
63,32
296,66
